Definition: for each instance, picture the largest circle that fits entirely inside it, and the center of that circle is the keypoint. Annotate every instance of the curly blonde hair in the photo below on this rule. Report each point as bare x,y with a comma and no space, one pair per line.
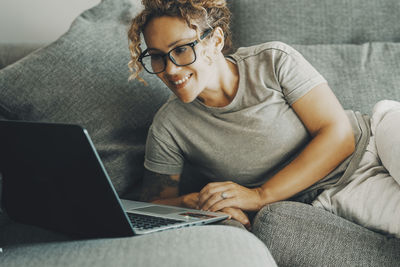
198,14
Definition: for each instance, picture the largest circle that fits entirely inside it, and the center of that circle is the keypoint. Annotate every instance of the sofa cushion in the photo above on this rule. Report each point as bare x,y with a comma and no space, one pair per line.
302,235
360,75
82,78
315,21
12,52
209,245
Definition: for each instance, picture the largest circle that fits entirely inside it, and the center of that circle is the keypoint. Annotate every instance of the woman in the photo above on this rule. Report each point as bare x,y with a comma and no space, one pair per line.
261,123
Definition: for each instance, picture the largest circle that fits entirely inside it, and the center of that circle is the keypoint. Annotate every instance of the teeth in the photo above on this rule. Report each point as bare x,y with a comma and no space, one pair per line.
182,81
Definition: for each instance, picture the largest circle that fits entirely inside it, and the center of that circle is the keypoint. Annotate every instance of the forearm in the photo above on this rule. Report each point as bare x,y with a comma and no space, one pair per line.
323,154
163,189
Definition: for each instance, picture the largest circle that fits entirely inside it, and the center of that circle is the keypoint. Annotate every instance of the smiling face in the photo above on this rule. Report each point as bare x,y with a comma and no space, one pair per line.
165,33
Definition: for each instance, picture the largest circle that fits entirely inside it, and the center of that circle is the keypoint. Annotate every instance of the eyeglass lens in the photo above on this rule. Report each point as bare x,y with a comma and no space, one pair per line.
181,56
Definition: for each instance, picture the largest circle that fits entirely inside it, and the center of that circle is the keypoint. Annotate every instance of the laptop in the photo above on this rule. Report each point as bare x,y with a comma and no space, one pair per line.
54,178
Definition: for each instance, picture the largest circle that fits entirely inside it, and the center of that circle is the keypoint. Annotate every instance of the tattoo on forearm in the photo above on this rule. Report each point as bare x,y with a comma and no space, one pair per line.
154,184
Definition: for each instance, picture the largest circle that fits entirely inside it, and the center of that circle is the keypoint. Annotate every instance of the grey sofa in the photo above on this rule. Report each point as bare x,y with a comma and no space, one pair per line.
82,78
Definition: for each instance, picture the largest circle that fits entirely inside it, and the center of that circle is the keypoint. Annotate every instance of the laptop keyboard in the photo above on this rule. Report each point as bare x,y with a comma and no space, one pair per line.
142,222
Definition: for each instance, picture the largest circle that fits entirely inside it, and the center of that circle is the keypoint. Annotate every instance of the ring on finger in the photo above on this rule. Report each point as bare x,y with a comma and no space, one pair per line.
224,195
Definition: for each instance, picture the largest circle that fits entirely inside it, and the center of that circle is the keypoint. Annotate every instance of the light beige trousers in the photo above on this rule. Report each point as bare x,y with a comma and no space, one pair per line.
371,197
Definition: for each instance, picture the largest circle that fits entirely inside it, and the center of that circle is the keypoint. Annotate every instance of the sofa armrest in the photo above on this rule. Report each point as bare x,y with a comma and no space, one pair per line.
212,245
298,234
10,53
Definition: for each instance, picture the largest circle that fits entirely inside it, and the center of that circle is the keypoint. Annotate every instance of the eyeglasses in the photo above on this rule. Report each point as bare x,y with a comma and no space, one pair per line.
182,55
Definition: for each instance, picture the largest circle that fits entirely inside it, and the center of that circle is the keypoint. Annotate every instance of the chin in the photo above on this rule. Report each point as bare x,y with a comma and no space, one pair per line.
186,98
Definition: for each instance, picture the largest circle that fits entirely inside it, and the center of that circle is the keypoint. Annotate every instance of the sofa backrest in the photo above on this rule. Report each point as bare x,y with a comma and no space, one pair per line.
353,44
315,21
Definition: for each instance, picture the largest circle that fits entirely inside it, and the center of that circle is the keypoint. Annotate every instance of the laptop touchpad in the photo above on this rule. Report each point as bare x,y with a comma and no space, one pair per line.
159,209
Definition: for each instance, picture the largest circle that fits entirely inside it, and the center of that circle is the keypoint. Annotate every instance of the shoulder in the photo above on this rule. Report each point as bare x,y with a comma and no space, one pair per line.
269,48
172,115
166,112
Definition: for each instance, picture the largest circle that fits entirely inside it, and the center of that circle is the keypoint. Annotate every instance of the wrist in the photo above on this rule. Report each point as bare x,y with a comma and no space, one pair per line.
265,196
189,200
182,201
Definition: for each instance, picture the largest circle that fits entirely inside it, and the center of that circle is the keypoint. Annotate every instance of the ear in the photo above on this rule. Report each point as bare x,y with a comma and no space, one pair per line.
218,38
214,45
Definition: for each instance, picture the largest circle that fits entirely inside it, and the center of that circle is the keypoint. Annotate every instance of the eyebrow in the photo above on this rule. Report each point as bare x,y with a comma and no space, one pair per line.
171,44
174,43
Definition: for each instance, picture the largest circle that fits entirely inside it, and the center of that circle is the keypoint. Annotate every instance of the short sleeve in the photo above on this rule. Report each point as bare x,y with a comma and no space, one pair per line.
297,76
162,156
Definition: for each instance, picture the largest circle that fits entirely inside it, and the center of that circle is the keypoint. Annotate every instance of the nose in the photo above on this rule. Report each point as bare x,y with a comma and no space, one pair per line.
170,67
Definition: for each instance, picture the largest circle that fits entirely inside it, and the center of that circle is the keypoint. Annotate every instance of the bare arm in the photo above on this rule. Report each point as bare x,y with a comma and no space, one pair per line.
161,188
164,189
332,141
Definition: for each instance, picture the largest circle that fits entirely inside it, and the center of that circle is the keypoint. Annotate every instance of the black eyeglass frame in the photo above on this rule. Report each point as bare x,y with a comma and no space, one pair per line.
191,44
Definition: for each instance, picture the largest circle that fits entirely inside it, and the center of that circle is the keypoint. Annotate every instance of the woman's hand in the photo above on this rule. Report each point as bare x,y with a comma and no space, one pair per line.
220,195
238,215
191,201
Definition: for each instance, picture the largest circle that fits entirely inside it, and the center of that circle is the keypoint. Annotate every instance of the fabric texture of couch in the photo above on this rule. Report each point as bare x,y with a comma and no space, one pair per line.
82,78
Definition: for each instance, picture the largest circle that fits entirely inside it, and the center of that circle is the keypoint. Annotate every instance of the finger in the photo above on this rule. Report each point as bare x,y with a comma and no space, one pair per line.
212,185
225,213
222,204
217,197
211,201
212,189
215,200
243,219
238,215
190,200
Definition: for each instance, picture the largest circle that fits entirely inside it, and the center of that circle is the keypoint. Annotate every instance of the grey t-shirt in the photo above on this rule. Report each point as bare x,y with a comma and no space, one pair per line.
250,139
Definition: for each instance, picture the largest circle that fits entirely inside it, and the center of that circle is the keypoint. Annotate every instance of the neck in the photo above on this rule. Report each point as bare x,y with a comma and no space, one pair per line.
224,88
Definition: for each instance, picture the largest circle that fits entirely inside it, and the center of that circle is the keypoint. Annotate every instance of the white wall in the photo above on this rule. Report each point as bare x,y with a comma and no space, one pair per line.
38,21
